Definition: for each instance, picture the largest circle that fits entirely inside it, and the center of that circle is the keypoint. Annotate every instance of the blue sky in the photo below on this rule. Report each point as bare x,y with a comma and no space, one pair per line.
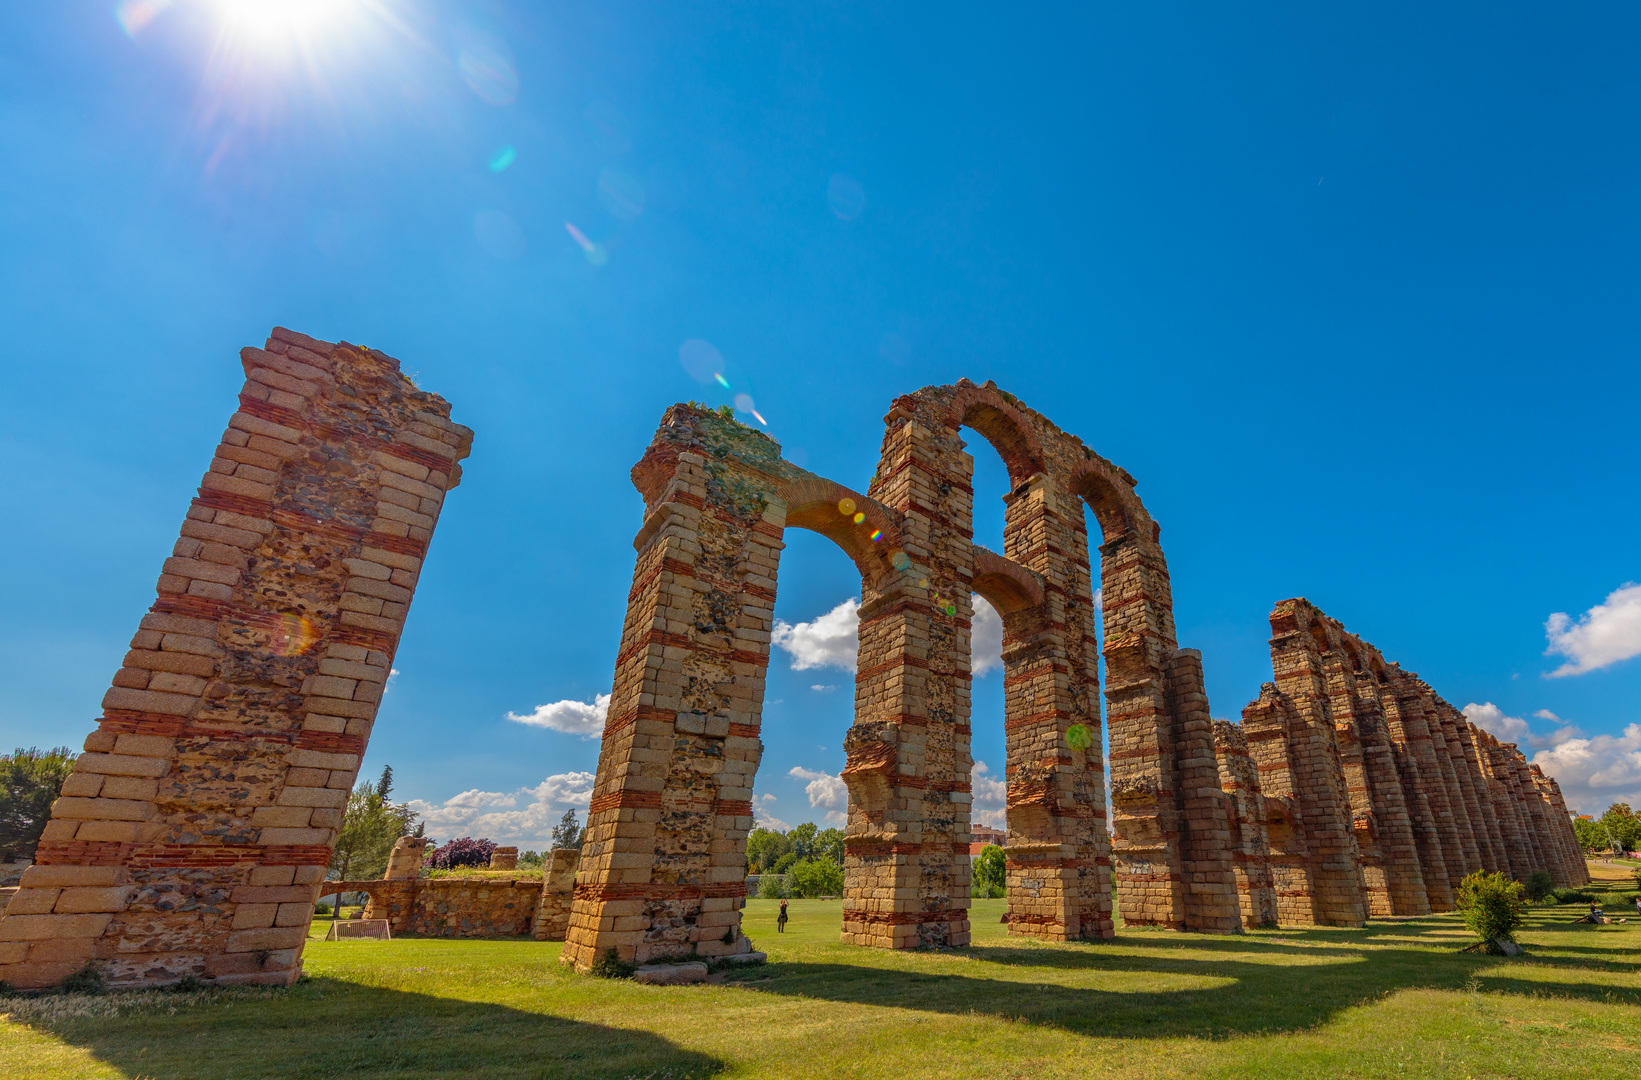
1351,290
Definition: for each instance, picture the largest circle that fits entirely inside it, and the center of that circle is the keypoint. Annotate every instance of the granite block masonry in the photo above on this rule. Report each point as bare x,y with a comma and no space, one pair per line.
195,829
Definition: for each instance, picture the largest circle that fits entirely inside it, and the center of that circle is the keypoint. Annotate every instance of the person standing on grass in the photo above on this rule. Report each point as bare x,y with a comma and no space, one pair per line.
780,923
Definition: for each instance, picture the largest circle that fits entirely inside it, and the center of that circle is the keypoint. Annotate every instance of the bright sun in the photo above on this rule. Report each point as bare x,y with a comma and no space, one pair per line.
280,22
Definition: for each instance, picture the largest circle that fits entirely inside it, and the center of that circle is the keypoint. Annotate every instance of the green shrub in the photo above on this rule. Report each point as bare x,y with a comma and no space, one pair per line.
1539,885
816,877
88,980
611,966
1492,905
321,909
772,887
1573,896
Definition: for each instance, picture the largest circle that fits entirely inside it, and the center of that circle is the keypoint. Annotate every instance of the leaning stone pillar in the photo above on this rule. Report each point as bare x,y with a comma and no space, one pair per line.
193,833
663,871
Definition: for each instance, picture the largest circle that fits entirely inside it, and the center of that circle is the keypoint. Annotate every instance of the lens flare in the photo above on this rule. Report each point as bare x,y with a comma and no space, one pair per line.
503,158
758,416
134,15
294,636
1079,737
744,402
846,506
595,253
723,382
900,560
486,63
859,518
700,358
877,534
845,196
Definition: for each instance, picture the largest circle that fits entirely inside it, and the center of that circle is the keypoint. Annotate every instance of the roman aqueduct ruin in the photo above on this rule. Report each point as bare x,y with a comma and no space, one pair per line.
192,838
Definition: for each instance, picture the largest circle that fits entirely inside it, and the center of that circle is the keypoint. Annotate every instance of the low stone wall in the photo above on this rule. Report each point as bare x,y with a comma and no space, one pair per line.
450,907
473,906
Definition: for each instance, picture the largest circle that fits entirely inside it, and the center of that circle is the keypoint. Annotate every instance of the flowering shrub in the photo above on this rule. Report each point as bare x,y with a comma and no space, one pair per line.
464,852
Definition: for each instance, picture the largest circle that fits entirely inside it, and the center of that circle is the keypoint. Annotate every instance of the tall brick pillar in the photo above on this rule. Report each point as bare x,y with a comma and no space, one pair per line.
192,835
907,875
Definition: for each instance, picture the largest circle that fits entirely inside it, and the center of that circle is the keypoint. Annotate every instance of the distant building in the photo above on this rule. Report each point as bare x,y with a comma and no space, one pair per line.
984,835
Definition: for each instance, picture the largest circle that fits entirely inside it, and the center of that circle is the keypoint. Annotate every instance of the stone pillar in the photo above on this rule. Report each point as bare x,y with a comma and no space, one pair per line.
1397,852
663,870
1058,850
557,892
193,833
1250,852
404,862
907,878
504,858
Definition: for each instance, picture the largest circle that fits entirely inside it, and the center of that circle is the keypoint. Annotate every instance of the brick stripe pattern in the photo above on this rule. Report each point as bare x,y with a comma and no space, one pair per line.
1380,797
192,835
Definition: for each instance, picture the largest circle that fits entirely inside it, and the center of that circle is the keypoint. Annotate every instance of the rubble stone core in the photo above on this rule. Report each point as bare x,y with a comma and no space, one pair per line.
1378,796
663,872
195,829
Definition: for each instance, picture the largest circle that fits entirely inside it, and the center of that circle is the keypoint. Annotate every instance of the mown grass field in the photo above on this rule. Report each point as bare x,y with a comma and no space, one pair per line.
1394,1000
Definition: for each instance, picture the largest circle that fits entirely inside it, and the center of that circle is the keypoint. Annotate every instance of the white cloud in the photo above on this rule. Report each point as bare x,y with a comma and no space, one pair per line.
762,818
387,687
818,688
990,797
1595,773
829,640
574,717
1493,720
1099,599
985,637
826,791
766,798
1602,636
525,817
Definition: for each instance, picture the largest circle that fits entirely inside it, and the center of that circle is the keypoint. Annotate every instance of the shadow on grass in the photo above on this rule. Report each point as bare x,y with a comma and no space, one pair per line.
1298,988
327,1027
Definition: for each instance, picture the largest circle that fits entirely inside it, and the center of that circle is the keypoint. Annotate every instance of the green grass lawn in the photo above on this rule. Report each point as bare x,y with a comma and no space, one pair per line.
1396,999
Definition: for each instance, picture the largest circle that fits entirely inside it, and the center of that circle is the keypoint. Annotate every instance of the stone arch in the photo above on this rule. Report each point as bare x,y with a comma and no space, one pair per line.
815,503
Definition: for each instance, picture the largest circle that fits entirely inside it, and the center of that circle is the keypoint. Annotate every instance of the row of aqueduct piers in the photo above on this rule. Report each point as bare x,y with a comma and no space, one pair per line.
196,829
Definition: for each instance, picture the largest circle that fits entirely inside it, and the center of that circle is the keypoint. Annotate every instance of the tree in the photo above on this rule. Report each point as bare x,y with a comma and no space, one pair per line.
1539,885
816,877
568,832
532,860
1492,905
369,828
802,840
1591,835
764,847
29,784
1622,826
829,845
991,869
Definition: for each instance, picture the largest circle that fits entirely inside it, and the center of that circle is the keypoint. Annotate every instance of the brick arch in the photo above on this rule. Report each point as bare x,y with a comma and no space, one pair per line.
813,503
1006,585
995,416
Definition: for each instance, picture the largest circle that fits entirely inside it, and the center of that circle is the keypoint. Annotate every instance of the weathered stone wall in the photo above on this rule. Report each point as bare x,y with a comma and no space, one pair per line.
458,907
194,831
1380,796
557,892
